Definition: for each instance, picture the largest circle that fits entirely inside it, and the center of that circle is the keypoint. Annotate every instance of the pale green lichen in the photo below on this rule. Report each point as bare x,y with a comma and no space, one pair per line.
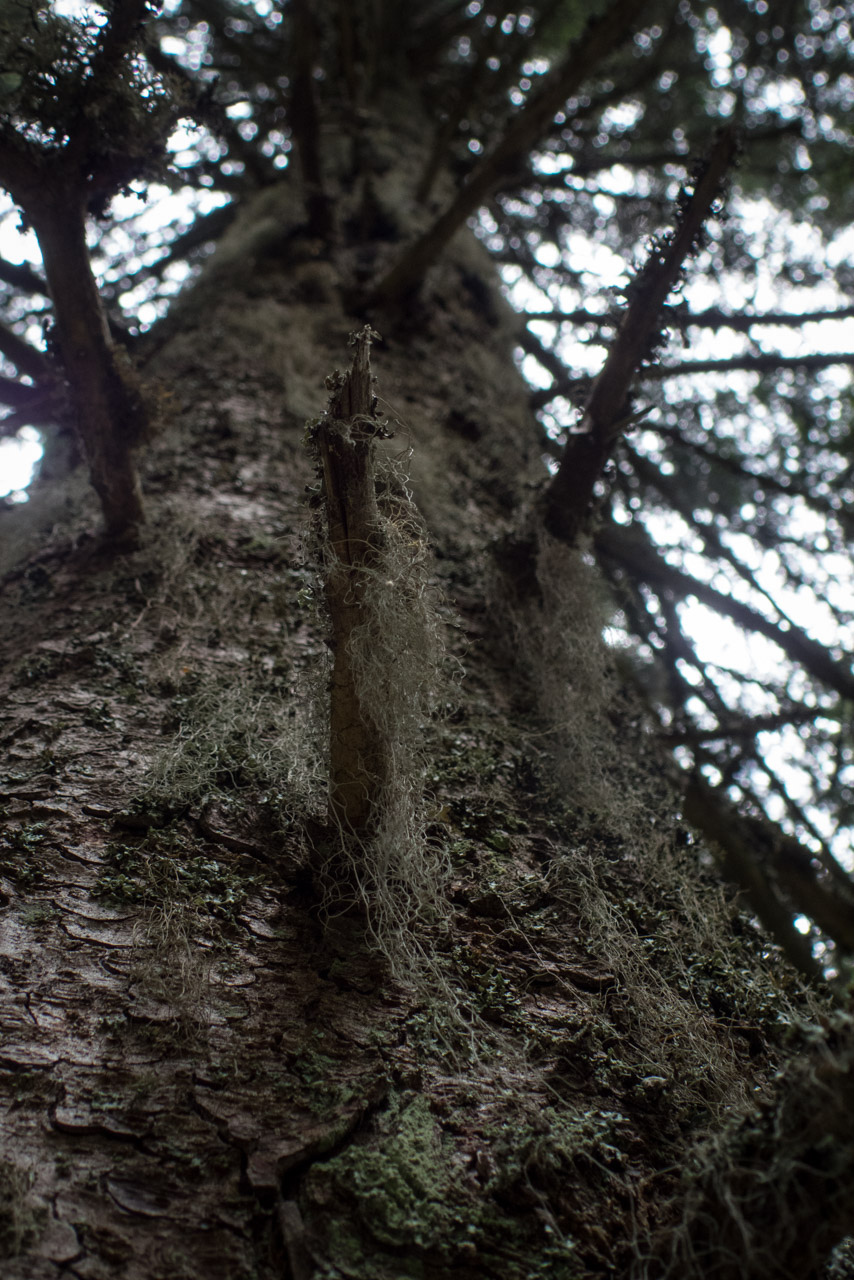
404,1189
409,1193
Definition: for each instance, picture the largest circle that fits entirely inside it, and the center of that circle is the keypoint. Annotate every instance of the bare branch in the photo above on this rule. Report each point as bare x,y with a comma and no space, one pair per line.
601,37
745,727
711,318
345,440
762,363
305,122
18,395
567,499
633,549
23,277
759,363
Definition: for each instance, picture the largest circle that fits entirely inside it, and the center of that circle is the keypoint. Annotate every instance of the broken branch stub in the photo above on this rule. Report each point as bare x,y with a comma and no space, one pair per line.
345,439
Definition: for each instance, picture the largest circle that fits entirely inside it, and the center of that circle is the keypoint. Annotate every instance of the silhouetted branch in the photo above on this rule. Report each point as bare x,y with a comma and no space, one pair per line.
711,318
759,363
633,549
305,122
207,227
18,395
762,363
22,277
671,491
744,727
26,359
600,38
607,411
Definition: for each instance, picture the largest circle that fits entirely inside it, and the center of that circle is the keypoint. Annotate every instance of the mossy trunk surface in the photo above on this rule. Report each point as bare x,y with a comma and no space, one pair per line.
197,1078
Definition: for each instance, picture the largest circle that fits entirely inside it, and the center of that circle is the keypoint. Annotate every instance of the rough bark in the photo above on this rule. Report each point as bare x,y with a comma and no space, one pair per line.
195,1079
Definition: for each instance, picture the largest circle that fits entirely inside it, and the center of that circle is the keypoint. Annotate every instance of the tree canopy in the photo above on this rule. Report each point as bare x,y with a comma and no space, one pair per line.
664,186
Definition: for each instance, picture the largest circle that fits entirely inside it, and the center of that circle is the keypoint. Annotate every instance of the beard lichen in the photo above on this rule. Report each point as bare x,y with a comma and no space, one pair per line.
387,664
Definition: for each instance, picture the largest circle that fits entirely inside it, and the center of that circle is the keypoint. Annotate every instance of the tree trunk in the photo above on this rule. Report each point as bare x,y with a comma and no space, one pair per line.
106,402
200,1079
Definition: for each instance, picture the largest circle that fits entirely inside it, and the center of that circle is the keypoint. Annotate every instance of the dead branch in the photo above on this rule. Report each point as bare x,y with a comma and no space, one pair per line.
345,440
567,499
601,37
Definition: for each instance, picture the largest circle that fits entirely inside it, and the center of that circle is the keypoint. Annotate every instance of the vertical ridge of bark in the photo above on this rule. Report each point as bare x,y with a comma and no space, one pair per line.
345,439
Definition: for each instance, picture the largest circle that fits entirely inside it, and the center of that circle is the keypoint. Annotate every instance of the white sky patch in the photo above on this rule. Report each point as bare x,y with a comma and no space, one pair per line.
16,246
18,459
719,641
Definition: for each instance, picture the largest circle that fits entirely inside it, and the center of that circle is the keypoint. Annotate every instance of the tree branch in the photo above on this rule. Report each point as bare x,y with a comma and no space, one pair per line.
636,553
760,363
713,545
26,359
566,502
711,318
23,278
601,37
745,727
18,395
305,122
345,440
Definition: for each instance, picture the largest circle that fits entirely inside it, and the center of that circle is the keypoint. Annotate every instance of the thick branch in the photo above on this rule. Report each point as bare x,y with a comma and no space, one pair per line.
99,92
110,414
22,277
567,499
18,395
26,359
601,37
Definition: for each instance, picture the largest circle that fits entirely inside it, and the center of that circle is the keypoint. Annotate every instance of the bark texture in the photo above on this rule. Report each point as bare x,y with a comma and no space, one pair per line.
195,1079
346,443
